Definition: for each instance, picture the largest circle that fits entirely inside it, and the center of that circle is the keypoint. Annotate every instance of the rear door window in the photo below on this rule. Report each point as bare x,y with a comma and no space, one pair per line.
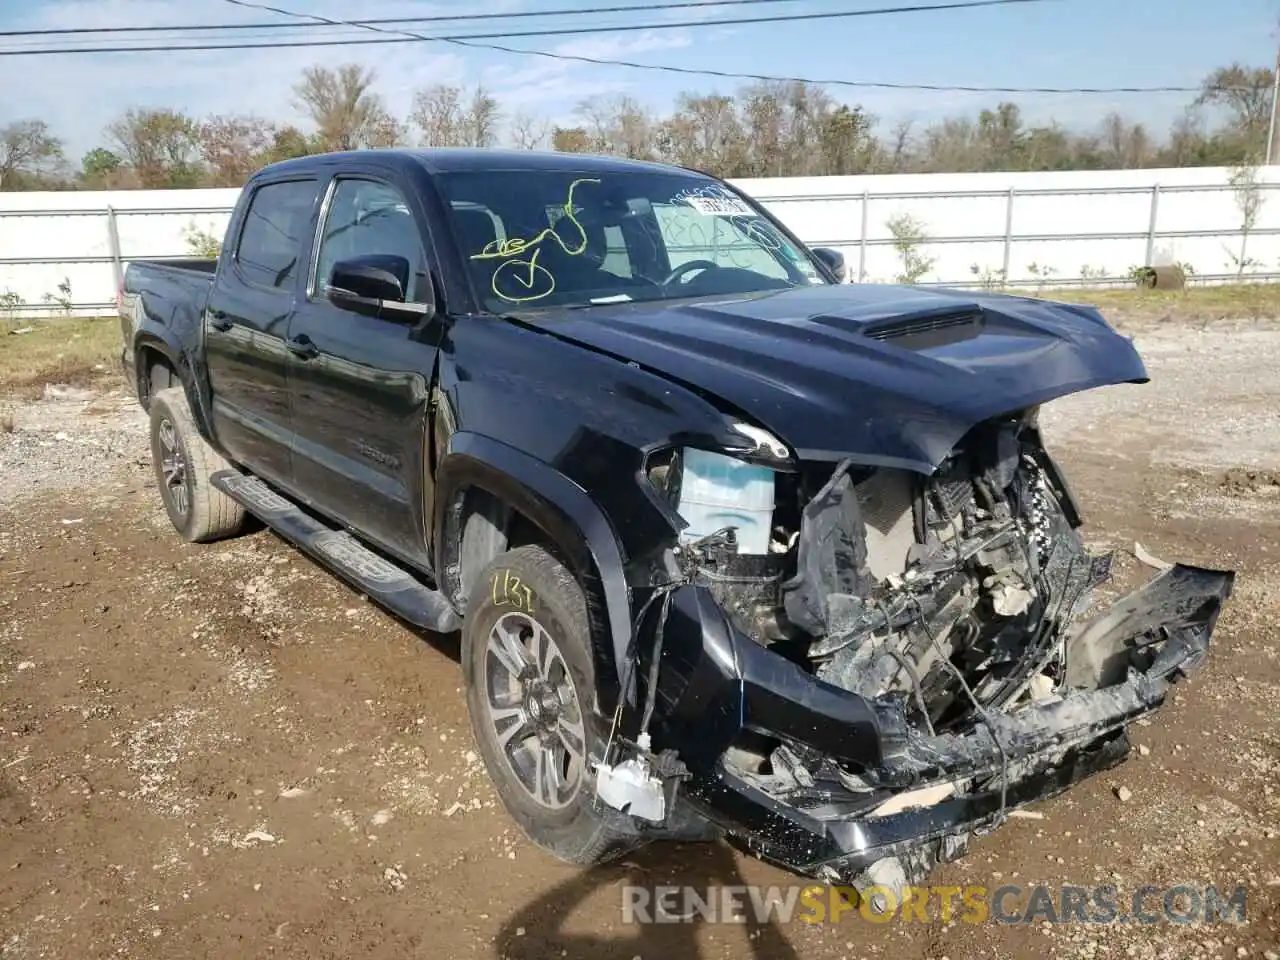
276,229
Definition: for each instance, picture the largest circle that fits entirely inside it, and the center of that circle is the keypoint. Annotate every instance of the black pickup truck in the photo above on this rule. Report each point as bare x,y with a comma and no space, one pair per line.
734,547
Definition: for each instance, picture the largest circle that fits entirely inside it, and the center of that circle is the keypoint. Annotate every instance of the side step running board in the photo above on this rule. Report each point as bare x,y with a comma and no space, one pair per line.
393,587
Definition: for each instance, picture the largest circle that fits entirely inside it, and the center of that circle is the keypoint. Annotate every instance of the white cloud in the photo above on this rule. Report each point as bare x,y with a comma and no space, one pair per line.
547,85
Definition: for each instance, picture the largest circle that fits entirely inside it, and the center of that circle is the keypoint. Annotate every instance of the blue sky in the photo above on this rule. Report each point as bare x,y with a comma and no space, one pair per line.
1061,43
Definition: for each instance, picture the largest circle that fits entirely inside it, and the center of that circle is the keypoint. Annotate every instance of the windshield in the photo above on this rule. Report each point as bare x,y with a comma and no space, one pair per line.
537,238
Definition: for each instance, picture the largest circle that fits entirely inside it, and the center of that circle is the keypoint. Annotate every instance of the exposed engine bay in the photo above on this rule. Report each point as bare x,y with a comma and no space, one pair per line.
949,591
911,656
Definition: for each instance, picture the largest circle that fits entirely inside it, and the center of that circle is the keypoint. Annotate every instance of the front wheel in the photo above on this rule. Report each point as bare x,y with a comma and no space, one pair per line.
526,659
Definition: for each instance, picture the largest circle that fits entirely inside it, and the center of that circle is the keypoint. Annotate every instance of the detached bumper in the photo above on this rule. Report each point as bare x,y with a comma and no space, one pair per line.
719,686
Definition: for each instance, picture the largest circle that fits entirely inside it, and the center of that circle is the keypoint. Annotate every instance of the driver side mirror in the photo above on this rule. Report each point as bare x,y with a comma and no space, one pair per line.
833,259
374,285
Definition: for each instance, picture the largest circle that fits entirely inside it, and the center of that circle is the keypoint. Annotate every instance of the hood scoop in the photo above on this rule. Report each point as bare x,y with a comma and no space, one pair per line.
922,333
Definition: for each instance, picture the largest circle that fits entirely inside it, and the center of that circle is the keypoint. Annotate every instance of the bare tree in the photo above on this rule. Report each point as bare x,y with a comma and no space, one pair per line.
161,146
384,131
705,132
528,131
27,149
347,112
1186,146
598,116
901,146
764,129
437,113
1124,145
480,123
445,119
619,125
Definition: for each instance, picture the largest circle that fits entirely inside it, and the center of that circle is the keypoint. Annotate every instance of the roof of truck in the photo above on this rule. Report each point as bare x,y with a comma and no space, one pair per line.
460,159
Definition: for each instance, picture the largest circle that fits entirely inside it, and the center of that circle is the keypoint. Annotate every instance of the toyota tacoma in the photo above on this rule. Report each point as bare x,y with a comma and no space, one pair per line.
735,548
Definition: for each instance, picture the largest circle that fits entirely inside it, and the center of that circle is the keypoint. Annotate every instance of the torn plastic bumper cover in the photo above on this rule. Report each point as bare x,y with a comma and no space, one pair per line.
851,802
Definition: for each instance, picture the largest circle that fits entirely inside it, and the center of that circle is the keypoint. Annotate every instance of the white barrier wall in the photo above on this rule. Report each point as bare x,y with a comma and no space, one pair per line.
1064,227
1069,226
65,237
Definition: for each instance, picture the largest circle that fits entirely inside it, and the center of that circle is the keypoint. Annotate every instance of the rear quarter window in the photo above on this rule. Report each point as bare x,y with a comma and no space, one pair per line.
277,226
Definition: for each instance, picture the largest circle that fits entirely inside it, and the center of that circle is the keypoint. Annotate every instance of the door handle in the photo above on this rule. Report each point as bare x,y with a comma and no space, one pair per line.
302,346
218,320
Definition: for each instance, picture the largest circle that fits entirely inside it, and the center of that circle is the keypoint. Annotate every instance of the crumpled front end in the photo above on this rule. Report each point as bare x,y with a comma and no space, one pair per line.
910,660
848,789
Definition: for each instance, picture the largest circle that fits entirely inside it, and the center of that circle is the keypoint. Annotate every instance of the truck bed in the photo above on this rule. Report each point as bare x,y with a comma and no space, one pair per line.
171,292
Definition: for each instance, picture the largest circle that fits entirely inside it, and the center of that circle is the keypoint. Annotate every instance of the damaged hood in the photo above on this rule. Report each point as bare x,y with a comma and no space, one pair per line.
887,375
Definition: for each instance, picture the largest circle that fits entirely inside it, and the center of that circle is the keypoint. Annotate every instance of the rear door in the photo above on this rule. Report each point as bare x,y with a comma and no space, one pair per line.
246,320
359,385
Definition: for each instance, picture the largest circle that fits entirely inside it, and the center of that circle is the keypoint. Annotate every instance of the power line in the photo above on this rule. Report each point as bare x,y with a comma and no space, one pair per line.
471,41
385,21
769,78
405,36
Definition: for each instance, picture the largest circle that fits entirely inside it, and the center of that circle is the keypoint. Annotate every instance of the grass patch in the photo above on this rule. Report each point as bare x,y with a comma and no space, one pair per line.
84,352
1195,304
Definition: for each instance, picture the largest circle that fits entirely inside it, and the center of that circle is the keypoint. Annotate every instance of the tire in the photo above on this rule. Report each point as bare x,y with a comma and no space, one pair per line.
527,591
160,378
184,462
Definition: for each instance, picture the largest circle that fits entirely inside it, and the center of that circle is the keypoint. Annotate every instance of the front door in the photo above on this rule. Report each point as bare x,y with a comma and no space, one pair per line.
359,385
246,320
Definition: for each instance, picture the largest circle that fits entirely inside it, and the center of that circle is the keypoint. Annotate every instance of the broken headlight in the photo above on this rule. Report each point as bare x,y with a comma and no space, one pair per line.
710,490
761,444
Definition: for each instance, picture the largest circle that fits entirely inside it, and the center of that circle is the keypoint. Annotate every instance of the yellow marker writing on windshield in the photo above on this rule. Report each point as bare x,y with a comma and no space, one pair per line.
526,275
527,278
514,246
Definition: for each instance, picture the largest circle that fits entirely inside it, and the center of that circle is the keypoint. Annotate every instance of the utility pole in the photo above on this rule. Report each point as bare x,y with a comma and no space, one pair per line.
1275,108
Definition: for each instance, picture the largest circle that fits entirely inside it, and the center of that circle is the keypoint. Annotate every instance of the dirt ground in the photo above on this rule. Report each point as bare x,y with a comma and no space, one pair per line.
223,751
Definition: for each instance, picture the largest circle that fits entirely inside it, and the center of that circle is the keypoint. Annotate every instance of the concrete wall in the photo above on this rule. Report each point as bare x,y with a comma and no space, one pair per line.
1074,227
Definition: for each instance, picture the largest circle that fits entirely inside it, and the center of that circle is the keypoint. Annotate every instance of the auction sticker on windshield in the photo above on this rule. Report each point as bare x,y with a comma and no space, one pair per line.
720,206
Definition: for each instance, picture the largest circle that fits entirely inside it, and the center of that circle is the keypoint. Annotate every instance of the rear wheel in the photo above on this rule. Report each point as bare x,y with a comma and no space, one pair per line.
526,658
184,462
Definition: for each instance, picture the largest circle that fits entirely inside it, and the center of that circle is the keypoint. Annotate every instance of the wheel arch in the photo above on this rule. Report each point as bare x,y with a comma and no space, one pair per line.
151,348
524,500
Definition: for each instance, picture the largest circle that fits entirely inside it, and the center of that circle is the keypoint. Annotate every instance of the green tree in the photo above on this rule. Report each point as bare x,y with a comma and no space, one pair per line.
570,140
162,147
1245,93
99,162
288,143
847,143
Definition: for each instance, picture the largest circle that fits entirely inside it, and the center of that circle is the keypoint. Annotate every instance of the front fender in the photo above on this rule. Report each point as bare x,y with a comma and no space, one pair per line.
557,506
